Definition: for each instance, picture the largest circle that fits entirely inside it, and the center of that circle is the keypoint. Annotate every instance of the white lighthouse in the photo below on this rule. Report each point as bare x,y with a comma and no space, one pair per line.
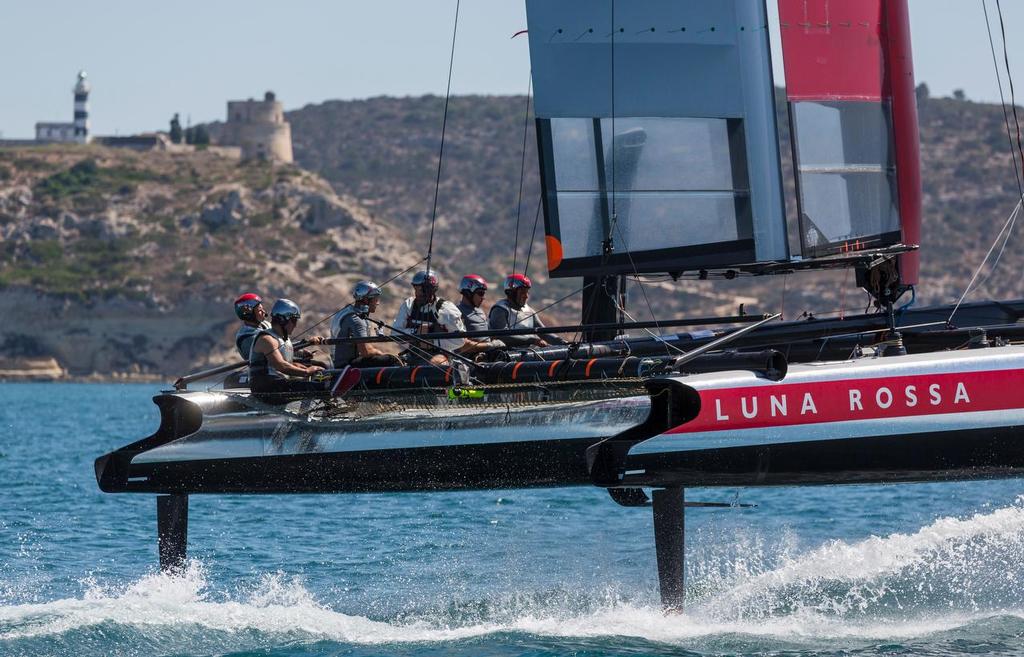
78,130
82,109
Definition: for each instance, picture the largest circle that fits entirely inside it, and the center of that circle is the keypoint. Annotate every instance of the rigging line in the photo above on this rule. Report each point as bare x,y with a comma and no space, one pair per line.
782,307
382,286
533,237
444,125
1009,79
522,172
560,300
656,336
1007,225
1002,98
413,343
999,256
636,274
614,214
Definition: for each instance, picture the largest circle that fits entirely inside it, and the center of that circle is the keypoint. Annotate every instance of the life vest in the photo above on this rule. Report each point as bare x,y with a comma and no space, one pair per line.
344,352
473,318
425,315
245,336
524,318
258,363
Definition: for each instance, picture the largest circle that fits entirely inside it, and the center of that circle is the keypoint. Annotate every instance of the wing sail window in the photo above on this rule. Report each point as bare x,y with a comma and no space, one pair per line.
657,135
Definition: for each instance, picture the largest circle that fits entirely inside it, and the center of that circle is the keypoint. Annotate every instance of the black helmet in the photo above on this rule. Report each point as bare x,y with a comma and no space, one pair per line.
284,310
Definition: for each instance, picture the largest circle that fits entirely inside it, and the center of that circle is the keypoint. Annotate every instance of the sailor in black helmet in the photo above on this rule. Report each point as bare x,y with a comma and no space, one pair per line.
350,322
271,363
425,312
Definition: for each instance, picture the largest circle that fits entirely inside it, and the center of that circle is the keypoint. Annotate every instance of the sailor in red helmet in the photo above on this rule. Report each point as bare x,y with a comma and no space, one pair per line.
513,312
425,312
473,288
249,308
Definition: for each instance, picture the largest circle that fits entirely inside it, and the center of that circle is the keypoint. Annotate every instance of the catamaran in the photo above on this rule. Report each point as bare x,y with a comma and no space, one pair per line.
659,154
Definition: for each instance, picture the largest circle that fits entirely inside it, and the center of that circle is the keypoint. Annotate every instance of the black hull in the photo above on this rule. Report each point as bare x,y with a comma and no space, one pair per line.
511,465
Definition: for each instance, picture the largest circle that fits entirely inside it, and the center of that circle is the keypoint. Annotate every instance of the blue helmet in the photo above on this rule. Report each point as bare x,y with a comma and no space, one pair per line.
284,310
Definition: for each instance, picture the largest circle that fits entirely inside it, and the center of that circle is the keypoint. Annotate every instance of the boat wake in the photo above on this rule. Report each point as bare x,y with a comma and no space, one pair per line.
951,580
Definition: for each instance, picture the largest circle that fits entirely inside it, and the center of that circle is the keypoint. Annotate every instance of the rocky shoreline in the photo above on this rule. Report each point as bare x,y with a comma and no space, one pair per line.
49,370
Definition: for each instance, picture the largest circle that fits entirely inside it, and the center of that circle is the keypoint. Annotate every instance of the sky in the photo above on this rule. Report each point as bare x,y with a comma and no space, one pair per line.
147,60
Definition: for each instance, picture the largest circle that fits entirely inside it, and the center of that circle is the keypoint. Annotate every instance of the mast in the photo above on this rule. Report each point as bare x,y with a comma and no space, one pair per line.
904,116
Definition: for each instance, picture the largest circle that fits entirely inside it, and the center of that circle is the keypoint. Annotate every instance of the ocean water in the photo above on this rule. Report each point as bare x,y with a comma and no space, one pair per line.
926,569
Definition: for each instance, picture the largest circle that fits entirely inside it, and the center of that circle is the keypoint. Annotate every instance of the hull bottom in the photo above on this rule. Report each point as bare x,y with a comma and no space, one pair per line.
458,467
984,453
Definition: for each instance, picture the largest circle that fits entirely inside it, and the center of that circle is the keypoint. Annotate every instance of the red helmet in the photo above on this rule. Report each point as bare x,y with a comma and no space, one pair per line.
471,283
245,305
517,281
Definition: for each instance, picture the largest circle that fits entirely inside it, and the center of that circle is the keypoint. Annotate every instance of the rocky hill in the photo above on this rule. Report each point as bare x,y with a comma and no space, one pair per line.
122,262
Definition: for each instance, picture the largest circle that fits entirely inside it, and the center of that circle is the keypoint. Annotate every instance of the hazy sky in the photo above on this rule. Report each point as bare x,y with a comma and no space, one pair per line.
147,60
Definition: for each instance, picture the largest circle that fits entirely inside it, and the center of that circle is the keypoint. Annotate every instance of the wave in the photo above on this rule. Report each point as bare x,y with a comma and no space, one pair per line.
952,576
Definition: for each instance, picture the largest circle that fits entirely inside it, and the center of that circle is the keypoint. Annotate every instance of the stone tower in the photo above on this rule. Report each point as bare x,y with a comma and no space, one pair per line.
259,128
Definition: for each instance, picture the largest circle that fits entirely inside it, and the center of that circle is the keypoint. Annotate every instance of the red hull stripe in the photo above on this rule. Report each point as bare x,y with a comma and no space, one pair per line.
857,399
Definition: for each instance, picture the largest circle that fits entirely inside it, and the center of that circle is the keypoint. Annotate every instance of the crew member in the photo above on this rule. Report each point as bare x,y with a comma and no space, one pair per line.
513,312
425,312
272,355
351,322
249,308
473,288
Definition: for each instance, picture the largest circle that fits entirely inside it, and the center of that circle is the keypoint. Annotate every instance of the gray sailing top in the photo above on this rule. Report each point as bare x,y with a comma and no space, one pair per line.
347,324
473,318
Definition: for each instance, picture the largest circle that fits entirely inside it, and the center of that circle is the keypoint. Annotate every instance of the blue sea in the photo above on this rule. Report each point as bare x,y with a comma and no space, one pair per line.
926,569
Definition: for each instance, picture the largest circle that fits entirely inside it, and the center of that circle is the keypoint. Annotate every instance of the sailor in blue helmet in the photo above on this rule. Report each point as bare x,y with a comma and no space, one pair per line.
351,322
249,308
513,312
425,312
272,369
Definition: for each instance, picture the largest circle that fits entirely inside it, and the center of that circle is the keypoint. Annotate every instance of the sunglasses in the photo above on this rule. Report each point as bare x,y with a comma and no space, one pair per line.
480,292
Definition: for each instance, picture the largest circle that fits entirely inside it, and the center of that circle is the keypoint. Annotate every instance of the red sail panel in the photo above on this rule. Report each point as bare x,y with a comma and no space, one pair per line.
859,51
833,49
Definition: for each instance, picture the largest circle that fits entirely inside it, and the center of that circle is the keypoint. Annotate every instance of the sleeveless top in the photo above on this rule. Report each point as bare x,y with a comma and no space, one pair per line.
258,363
347,324
245,336
473,318
524,318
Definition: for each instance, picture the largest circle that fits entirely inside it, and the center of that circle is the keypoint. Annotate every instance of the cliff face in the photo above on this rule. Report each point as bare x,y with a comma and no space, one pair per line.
113,261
